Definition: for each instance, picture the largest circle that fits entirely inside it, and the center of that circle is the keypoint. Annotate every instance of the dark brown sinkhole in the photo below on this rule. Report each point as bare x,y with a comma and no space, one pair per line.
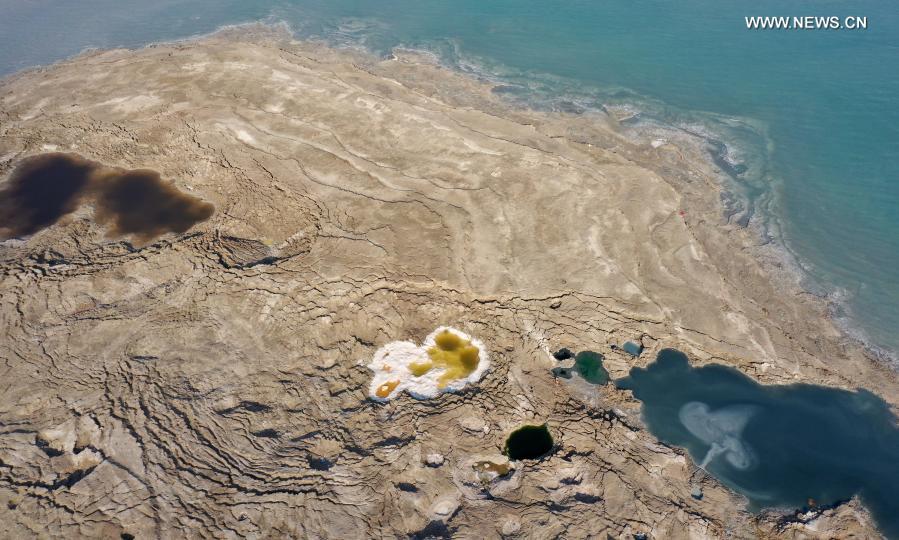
44,188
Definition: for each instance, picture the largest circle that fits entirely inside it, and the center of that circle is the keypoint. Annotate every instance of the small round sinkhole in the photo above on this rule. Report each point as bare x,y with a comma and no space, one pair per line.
529,442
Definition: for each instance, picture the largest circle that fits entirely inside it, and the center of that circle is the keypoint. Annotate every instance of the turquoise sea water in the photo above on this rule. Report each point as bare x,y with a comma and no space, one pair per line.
813,115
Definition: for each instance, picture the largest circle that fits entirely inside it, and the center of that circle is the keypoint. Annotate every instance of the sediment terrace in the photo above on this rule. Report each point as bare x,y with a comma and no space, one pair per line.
215,380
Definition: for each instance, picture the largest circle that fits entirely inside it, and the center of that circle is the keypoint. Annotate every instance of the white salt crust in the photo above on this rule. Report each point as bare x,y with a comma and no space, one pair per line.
391,363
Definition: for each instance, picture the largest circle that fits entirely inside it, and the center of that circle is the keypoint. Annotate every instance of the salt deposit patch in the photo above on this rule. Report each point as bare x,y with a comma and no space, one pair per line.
722,429
447,361
195,67
129,104
245,137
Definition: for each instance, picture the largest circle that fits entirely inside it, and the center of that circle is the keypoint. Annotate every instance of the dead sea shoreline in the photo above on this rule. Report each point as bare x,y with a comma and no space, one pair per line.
232,367
772,250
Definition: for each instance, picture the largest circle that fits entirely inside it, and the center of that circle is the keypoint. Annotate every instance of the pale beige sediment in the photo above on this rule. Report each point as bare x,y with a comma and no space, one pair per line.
215,382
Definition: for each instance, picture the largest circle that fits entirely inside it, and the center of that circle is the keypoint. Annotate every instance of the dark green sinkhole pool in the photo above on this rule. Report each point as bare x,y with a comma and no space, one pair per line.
587,364
529,442
781,446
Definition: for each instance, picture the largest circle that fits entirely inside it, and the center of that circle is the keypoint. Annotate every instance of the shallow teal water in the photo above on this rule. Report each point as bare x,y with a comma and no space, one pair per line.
588,365
814,114
789,447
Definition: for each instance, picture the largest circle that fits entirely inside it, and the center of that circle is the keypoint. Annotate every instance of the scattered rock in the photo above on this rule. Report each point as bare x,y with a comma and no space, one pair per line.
484,476
444,508
511,526
58,440
434,460
474,424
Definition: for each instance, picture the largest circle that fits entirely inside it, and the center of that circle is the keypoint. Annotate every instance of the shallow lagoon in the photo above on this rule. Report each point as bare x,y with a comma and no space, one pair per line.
781,446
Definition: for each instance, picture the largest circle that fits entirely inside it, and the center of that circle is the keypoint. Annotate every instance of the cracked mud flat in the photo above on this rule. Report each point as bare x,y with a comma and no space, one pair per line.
214,383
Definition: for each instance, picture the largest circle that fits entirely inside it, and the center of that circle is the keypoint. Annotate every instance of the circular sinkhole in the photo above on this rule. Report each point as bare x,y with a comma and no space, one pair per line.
529,442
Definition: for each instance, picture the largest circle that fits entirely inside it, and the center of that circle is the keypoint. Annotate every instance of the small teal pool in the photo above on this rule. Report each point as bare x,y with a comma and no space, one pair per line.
588,365
789,446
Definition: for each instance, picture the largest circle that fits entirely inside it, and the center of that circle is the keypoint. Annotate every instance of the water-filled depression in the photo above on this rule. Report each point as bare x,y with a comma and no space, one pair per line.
782,446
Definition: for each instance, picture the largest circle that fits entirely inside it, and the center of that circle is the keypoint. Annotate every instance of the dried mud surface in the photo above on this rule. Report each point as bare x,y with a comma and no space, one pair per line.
213,383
